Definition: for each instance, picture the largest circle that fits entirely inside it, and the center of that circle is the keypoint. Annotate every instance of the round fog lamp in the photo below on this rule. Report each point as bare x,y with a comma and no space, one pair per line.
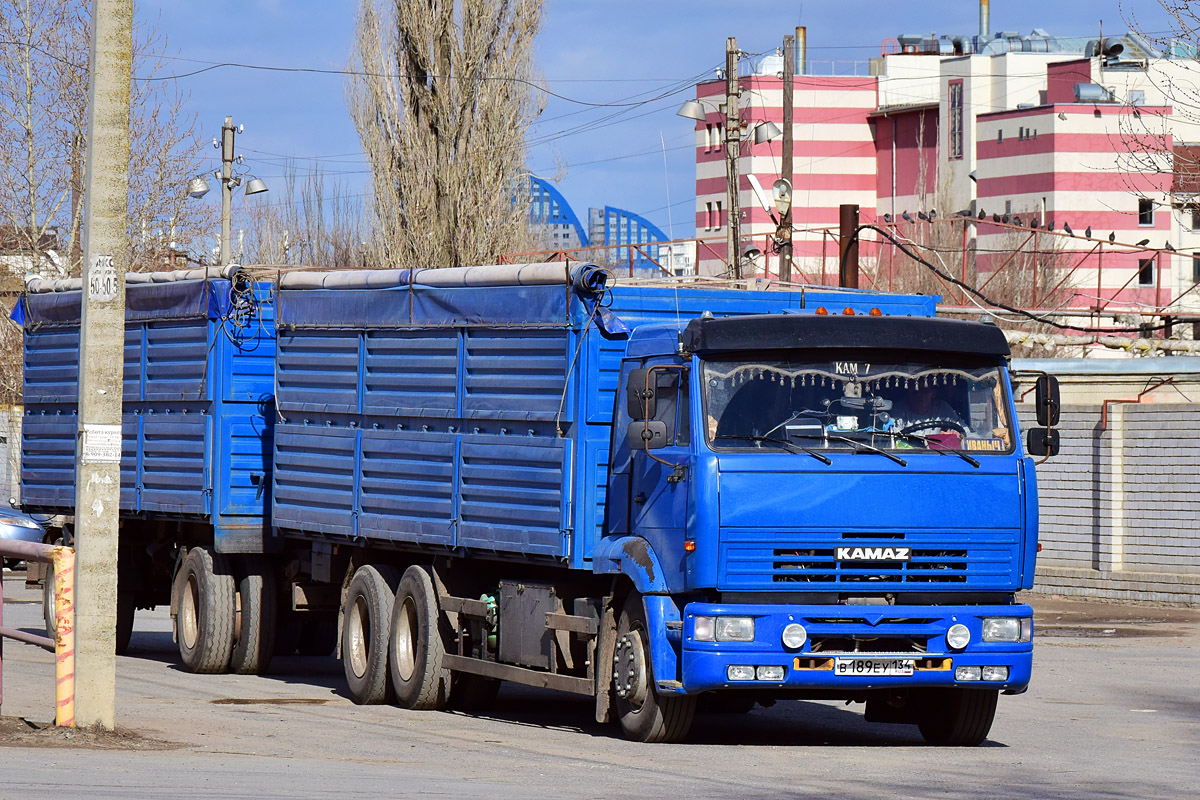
794,636
958,636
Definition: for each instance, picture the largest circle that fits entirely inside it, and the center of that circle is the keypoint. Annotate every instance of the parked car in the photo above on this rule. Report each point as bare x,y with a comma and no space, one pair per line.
18,526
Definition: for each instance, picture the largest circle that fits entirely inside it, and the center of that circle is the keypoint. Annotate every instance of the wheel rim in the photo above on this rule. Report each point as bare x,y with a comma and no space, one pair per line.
629,670
406,639
358,628
189,624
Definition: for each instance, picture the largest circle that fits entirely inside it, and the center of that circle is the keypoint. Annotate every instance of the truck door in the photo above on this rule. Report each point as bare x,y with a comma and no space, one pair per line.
661,475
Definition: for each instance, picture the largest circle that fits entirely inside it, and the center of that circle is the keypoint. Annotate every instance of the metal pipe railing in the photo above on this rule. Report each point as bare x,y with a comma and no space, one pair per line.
63,643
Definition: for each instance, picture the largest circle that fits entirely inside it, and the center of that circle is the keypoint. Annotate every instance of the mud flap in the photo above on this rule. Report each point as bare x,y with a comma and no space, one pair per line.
606,642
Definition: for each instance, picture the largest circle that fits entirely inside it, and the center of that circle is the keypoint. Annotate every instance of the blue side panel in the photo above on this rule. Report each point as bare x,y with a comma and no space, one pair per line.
410,373
176,358
48,460
131,429
512,494
317,372
313,476
515,374
246,481
407,486
174,462
51,367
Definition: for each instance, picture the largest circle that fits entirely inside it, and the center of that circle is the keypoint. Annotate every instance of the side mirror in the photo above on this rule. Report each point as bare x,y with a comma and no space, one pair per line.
12,501
1046,401
646,435
639,401
1042,442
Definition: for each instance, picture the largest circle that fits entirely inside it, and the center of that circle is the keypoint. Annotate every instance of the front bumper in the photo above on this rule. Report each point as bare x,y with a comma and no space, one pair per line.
917,632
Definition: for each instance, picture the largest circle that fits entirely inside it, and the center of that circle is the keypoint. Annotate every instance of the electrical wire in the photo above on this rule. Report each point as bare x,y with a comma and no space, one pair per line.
945,276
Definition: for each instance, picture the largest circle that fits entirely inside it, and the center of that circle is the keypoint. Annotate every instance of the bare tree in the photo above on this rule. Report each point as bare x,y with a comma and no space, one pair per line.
44,48
308,223
443,94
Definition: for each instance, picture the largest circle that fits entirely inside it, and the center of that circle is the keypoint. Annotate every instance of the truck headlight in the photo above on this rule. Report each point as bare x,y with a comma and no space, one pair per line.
735,629
958,636
1007,629
794,636
702,629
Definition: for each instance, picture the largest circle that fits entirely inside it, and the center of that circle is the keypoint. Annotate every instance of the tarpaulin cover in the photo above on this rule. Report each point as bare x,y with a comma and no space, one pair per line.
429,306
143,302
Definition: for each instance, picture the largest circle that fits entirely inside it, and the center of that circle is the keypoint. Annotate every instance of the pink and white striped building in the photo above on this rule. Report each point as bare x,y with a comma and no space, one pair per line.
1029,126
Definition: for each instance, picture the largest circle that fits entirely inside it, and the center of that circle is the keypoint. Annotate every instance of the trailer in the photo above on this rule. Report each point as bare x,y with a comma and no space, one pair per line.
197,415
664,498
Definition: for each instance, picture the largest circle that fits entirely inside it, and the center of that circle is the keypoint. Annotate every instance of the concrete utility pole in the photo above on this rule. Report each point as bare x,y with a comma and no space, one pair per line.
733,154
227,184
101,364
785,219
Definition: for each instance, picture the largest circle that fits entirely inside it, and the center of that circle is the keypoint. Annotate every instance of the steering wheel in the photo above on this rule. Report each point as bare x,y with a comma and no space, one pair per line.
940,423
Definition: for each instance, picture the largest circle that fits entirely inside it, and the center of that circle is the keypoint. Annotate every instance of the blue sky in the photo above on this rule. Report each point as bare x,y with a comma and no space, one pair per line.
598,52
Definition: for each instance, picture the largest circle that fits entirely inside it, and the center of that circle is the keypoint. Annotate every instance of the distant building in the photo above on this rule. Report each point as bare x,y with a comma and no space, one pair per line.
615,237
1063,130
22,257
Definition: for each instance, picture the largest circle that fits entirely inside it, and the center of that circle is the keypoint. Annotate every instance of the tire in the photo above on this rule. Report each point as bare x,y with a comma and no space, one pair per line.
472,692
366,622
644,714
416,647
957,717
204,622
255,618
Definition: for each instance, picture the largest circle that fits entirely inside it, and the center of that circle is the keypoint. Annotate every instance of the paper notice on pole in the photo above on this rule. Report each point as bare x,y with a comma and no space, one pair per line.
101,444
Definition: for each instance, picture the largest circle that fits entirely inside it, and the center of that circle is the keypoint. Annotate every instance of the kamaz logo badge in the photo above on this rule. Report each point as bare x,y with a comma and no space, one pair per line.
873,553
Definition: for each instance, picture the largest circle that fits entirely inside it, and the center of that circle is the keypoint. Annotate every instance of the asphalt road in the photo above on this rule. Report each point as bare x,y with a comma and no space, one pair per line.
1113,712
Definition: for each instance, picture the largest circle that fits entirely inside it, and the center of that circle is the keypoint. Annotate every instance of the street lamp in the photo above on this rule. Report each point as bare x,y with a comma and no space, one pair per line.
198,186
761,132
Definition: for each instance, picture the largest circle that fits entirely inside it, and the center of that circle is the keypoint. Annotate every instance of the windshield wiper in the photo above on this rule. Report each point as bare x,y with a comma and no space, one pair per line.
930,444
859,447
791,447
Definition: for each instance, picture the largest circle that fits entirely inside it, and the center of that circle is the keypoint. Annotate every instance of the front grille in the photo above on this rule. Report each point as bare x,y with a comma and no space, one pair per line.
806,560
848,645
821,566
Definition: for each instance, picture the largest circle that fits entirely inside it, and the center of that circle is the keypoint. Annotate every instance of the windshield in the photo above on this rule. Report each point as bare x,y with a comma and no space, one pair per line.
855,405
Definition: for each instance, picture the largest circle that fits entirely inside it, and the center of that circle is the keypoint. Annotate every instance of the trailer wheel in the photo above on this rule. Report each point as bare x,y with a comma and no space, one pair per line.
255,617
48,599
956,717
416,646
204,623
366,617
645,715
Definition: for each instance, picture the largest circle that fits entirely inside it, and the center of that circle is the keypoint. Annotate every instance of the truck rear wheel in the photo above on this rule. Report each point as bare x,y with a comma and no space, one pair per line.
416,647
645,715
255,618
366,617
957,717
204,623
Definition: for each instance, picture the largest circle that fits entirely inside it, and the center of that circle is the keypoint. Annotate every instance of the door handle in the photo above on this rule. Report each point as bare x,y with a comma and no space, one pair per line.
640,497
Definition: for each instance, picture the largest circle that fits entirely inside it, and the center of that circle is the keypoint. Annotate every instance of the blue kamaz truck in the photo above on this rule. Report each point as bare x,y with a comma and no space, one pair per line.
664,498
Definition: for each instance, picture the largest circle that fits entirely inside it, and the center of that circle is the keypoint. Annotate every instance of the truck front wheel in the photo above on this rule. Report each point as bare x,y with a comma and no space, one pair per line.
416,647
956,717
645,715
204,623
366,615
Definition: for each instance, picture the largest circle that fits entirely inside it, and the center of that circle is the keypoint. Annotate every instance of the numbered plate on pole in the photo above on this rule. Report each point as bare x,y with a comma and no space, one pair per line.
102,279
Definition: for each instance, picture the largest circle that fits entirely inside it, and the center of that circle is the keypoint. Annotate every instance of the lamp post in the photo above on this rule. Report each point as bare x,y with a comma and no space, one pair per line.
198,186
762,132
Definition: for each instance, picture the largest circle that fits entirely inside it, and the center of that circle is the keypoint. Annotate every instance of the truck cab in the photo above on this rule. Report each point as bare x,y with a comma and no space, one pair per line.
827,506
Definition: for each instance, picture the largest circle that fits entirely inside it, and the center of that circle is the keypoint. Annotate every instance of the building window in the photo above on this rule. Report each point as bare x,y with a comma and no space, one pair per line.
708,217
1137,97
1195,215
956,119
999,136
717,221
707,138
1195,267
1145,272
1145,211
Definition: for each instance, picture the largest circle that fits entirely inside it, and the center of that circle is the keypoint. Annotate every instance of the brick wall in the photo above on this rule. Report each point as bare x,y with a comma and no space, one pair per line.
1120,506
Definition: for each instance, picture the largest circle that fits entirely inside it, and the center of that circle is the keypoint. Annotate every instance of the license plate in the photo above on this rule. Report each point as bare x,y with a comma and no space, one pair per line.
874,666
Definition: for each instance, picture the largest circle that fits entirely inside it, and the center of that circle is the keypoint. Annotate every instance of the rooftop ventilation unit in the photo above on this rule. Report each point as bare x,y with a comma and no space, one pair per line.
1092,93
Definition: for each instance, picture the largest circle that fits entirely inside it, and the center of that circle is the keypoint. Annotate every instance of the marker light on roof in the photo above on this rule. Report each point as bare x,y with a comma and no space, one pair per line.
821,311
875,312
849,312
